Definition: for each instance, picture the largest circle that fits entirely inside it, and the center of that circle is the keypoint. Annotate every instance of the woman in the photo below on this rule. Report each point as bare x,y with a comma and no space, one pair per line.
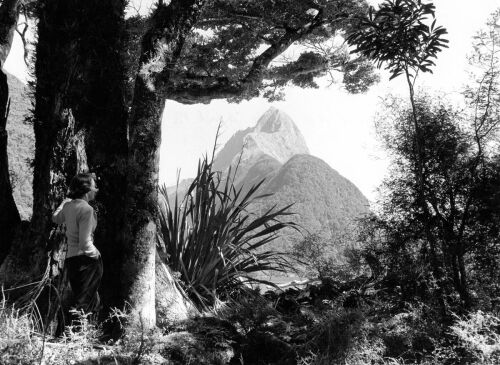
83,260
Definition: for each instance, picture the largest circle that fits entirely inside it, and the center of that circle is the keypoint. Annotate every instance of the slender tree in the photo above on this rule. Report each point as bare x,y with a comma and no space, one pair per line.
436,196
397,36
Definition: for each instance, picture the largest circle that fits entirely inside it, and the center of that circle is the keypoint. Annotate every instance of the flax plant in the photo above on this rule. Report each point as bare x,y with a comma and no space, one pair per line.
214,241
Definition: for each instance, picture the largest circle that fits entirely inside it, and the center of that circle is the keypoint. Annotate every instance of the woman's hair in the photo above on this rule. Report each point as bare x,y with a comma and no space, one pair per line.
80,185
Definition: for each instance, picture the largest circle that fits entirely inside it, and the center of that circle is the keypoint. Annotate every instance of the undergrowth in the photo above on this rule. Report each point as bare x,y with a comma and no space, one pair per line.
256,328
21,343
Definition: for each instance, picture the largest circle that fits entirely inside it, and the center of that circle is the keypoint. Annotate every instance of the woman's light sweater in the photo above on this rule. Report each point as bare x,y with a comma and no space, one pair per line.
80,220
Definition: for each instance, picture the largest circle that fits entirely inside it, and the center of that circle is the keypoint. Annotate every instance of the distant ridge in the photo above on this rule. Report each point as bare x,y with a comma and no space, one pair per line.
323,199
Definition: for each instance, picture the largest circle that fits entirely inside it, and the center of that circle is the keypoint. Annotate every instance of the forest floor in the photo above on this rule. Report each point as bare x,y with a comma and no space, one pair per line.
318,324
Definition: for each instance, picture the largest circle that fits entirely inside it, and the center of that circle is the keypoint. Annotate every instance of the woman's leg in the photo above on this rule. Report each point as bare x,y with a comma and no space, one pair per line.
85,275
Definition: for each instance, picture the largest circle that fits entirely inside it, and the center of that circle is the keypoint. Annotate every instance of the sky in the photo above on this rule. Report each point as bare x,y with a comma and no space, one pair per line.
337,127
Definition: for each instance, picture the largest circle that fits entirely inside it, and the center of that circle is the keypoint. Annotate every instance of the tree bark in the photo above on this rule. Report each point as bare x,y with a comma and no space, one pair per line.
161,44
464,288
66,104
103,110
139,264
55,70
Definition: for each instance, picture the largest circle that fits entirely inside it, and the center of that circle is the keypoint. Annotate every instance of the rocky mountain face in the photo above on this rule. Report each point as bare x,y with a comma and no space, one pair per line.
21,146
324,202
261,149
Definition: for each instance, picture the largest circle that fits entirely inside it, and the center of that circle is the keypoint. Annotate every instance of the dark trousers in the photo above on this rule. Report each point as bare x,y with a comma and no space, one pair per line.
85,275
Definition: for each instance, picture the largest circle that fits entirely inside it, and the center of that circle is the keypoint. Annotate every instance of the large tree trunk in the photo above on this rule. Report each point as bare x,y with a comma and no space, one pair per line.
104,111
139,264
71,99
160,49
55,70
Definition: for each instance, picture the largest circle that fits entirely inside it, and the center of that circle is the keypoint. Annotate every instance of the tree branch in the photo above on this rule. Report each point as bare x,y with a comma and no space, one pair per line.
163,41
9,13
204,89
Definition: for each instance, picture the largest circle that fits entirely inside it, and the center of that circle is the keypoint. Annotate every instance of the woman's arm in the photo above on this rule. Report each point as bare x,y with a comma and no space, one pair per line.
58,216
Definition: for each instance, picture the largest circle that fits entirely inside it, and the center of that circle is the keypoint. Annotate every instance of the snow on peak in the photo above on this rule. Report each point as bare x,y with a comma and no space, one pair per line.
275,135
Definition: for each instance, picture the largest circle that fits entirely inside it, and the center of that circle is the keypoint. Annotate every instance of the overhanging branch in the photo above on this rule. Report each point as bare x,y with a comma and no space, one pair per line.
202,89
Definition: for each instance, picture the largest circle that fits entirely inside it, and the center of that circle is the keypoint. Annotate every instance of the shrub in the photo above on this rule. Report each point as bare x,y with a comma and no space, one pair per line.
330,255
21,344
16,344
212,239
479,333
344,337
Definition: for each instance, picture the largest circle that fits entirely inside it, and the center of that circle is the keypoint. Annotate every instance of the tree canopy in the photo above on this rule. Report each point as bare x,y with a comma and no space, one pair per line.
233,48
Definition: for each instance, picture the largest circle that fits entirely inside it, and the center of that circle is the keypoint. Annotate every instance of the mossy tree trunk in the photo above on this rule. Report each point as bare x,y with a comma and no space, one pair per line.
160,49
103,110
54,117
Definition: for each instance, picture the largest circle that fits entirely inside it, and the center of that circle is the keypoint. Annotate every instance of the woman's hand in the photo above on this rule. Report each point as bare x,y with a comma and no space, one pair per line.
58,215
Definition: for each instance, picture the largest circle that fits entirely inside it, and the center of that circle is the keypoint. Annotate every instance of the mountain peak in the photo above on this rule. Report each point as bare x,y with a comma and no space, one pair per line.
275,136
274,120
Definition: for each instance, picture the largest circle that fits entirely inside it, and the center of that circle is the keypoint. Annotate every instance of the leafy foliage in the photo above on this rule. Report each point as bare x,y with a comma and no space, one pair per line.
238,49
434,250
441,201
211,239
432,229
326,256
396,34
483,95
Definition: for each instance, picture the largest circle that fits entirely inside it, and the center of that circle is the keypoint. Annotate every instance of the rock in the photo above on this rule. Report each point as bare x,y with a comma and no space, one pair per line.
171,305
265,348
274,137
205,340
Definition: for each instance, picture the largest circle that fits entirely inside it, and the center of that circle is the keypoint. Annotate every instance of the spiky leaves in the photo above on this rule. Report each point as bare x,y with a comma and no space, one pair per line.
212,239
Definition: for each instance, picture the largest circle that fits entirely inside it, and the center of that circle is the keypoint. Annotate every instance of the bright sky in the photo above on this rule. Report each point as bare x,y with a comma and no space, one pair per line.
338,128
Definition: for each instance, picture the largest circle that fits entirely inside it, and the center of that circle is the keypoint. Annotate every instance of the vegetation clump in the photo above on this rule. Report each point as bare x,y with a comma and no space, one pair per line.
212,240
